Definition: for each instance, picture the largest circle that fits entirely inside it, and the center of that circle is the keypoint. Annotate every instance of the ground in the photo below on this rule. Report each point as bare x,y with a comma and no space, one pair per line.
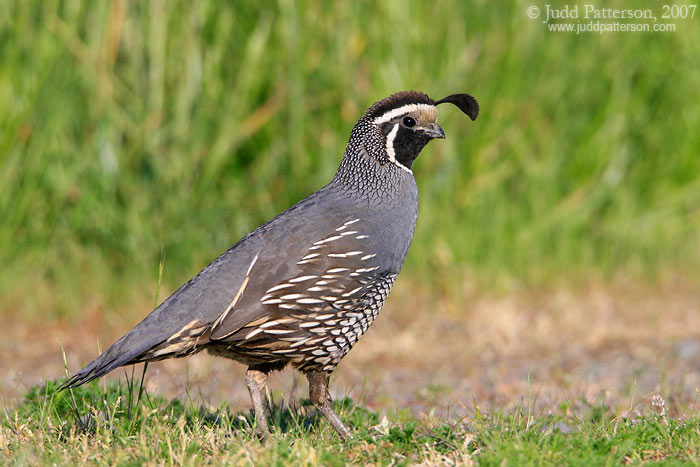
611,343
600,374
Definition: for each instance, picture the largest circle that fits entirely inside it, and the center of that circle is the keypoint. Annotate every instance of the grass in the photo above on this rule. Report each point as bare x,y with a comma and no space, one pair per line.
129,127
103,425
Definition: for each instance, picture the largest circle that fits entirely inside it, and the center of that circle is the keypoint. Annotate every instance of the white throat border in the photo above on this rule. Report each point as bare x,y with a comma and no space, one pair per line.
390,148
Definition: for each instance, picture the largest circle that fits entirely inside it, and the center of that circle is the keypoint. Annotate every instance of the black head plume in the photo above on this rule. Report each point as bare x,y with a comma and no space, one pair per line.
465,102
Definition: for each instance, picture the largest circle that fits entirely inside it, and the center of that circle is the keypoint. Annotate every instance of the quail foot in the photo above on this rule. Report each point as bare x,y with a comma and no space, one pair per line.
304,287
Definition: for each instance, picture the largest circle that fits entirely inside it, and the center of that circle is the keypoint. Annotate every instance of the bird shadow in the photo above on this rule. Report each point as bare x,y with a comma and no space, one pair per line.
125,408
91,410
282,417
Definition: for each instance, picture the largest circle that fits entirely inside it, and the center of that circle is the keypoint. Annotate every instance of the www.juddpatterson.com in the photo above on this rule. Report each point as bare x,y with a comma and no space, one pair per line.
602,28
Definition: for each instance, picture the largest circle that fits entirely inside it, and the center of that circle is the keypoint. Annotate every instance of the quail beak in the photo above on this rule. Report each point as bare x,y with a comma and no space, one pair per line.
434,131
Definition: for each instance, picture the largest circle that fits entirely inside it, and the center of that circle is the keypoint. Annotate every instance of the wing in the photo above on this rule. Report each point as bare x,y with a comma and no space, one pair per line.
180,325
330,294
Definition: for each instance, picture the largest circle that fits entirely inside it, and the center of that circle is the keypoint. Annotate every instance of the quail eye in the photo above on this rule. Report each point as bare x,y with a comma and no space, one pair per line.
409,122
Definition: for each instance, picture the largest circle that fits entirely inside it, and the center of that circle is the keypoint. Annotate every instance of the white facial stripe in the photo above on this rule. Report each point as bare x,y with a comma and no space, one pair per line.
390,148
390,143
400,111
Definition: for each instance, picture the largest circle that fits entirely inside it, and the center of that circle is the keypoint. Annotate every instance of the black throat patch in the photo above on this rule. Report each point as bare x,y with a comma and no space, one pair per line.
408,144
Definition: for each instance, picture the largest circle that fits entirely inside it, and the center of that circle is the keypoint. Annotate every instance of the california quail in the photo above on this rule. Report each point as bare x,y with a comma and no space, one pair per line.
304,286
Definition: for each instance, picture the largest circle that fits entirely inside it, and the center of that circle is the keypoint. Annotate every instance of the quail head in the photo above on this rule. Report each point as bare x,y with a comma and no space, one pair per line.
304,287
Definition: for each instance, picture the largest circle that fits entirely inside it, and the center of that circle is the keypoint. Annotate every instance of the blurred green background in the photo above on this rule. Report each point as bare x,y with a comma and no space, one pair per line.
127,127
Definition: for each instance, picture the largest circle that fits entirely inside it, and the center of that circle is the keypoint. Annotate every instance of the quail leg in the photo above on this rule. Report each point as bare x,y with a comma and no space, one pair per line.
255,380
318,392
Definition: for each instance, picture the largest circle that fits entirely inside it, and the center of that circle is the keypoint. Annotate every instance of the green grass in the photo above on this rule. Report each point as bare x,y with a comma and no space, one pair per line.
130,127
104,425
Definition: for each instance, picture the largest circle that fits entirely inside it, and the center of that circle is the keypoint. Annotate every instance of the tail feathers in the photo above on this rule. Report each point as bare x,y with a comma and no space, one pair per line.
173,316
117,355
